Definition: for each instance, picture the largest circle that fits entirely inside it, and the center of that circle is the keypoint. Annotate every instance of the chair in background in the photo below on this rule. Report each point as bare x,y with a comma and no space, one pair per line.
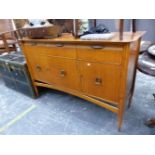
8,44
146,64
5,26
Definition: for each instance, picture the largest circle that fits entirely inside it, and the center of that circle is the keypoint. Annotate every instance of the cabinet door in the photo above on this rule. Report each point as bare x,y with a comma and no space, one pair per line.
100,80
40,68
64,72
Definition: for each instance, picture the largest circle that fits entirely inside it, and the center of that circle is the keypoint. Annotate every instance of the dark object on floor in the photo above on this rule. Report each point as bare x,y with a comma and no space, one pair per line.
154,96
150,123
146,64
15,73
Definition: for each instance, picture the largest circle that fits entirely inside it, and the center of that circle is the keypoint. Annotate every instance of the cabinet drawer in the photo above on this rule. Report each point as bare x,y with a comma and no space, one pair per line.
100,53
57,49
64,72
100,80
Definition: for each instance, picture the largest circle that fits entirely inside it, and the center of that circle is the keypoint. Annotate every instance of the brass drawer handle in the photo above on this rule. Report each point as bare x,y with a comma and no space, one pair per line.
98,81
62,73
59,45
97,46
38,68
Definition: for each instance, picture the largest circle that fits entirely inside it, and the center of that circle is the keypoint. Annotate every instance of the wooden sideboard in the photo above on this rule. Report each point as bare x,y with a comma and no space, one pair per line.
102,72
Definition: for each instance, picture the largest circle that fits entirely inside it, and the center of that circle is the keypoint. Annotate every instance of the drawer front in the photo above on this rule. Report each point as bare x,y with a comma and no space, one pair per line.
57,49
40,68
100,53
64,72
100,80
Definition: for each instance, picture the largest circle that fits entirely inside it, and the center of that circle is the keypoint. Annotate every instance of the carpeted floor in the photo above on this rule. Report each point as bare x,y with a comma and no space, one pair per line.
58,113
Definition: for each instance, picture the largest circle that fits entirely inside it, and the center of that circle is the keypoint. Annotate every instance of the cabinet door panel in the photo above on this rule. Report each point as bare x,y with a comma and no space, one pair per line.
100,80
40,68
64,72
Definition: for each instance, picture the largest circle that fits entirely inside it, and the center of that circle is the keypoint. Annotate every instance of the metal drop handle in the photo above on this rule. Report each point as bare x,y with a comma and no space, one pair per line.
59,45
38,68
98,81
97,46
62,73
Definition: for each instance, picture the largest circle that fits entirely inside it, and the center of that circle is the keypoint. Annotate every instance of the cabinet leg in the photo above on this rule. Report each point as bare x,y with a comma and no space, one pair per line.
120,120
131,94
120,116
130,101
133,87
36,91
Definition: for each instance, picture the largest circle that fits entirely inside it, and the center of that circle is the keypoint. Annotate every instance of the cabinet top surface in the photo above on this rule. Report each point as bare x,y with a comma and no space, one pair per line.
66,37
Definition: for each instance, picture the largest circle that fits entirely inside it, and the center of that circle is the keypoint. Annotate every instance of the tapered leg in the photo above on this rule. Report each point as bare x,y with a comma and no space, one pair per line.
36,91
132,89
120,121
130,100
120,116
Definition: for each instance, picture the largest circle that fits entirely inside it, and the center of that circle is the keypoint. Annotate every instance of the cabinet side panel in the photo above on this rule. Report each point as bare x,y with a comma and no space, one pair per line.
132,66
